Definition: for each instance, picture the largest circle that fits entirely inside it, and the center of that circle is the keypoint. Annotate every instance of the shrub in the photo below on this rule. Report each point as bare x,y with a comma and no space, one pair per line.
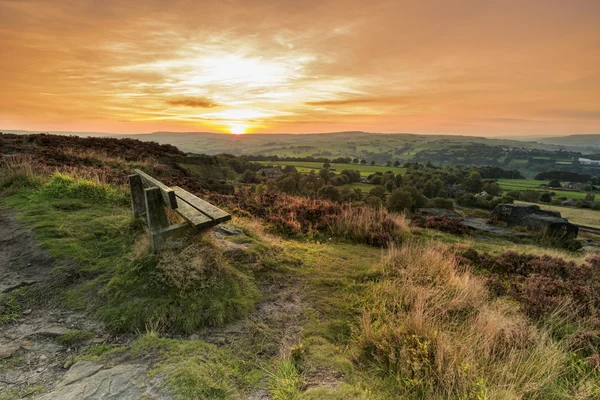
543,284
439,202
444,224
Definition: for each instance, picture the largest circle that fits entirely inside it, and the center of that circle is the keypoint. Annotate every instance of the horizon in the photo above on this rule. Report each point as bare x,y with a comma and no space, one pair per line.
467,68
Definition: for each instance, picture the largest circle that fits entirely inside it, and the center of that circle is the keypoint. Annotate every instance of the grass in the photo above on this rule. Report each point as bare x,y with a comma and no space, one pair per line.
365,170
509,185
74,337
104,264
435,332
196,370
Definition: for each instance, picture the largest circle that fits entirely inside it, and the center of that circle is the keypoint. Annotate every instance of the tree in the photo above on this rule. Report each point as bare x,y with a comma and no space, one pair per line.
546,198
376,180
396,163
290,169
590,197
399,201
473,184
324,174
388,164
326,165
372,162
390,185
330,193
249,177
377,191
492,188
355,161
363,162
554,183
287,184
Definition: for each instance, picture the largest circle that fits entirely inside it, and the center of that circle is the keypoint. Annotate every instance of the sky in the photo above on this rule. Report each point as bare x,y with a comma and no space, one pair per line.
484,67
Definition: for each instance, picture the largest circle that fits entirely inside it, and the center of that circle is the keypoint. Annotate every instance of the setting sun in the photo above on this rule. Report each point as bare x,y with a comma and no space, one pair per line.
237,129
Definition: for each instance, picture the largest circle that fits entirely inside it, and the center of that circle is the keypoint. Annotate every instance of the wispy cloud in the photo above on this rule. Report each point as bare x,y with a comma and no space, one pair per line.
193,102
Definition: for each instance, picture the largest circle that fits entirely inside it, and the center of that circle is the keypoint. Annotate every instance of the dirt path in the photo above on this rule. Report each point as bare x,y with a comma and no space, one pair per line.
33,358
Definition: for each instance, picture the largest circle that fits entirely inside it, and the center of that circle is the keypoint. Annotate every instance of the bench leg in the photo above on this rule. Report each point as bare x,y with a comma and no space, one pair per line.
138,202
174,232
155,209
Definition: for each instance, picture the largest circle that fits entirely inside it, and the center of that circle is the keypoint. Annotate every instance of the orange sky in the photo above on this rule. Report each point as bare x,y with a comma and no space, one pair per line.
484,67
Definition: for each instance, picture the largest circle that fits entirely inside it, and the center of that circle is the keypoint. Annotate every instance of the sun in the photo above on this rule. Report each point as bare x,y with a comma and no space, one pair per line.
237,129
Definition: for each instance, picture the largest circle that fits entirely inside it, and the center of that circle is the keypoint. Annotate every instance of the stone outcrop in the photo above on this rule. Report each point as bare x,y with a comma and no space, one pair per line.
535,219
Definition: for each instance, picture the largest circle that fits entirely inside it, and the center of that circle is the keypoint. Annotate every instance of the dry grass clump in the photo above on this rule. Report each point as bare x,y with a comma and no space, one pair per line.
376,227
436,332
199,266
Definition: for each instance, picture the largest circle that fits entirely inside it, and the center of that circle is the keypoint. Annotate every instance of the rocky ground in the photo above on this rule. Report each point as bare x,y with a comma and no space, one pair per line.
33,358
36,361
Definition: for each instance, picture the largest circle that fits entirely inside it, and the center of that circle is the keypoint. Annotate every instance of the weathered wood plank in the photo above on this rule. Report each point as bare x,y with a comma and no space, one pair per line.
167,193
204,207
138,202
193,216
155,210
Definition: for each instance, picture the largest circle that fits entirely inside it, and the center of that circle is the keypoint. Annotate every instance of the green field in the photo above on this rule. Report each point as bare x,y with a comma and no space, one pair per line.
579,216
531,184
365,170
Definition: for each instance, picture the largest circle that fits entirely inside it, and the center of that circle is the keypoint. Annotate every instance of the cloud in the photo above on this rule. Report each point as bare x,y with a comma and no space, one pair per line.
197,102
344,102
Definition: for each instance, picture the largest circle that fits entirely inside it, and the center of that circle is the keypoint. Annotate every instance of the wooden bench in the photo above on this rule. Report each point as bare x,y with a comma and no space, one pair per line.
149,197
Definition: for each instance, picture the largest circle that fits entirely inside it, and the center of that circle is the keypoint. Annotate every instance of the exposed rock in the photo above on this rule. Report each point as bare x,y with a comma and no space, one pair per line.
221,231
535,219
7,350
88,380
481,224
50,331
234,250
435,212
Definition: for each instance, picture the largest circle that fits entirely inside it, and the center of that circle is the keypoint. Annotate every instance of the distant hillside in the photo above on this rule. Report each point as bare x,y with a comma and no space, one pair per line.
574,140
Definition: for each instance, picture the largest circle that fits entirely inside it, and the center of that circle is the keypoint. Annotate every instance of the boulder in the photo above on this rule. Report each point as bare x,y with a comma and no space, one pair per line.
536,219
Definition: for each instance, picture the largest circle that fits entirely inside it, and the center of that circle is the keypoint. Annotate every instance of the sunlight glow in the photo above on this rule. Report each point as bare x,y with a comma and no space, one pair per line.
237,129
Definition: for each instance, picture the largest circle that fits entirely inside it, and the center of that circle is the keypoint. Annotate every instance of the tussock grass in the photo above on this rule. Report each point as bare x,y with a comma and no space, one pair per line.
435,332
178,290
373,226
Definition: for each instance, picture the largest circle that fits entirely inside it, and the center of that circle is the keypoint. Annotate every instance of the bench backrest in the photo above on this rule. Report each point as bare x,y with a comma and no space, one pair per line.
167,193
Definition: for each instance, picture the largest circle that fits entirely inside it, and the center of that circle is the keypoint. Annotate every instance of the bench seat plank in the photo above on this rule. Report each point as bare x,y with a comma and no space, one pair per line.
168,194
215,213
193,216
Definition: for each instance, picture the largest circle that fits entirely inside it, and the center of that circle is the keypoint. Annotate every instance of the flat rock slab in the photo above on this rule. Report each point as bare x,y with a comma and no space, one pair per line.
50,331
87,380
481,224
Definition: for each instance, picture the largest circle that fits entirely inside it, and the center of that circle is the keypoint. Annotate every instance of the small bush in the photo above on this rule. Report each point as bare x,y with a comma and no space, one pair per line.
444,224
